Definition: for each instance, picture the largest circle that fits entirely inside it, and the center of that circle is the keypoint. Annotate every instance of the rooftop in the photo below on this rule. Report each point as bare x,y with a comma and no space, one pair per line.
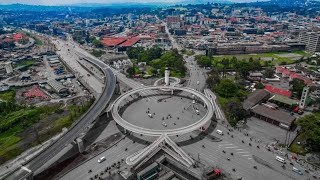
113,41
279,91
254,98
130,42
284,99
275,114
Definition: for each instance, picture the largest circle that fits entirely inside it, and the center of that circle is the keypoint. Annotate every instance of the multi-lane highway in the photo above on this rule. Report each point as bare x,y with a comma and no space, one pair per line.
81,126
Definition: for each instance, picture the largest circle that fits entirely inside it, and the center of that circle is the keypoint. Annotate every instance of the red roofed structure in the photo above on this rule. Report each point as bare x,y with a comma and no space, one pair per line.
113,41
279,91
17,36
130,42
35,91
292,75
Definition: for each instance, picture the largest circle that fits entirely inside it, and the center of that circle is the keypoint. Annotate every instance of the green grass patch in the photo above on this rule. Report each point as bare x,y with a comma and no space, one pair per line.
276,59
298,148
8,96
97,53
15,122
25,63
37,41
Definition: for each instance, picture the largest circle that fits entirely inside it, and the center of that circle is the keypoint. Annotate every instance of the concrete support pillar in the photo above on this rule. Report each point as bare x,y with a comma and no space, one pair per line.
80,145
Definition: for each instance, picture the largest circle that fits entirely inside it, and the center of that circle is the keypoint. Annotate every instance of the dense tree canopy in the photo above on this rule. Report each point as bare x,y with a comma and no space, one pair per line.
235,112
171,59
144,55
227,88
269,72
203,61
297,87
310,130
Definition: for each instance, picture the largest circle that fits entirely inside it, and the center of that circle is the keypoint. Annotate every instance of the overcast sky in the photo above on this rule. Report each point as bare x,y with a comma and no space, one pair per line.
60,2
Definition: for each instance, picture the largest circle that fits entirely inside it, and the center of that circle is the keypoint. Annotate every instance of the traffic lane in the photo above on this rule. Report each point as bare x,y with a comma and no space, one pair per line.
67,138
243,166
112,155
72,60
78,128
260,152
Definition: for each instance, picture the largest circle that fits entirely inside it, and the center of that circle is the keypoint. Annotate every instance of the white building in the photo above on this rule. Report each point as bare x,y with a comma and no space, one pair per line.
8,66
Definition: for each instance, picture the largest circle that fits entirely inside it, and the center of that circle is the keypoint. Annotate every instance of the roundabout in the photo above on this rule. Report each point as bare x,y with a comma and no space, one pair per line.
163,141
196,125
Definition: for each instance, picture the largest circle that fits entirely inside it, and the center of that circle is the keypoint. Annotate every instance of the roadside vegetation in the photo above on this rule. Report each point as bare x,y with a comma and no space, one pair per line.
22,126
187,52
97,53
308,139
156,60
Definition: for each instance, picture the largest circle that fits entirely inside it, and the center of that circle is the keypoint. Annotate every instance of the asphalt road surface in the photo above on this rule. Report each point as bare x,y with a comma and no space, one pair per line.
80,127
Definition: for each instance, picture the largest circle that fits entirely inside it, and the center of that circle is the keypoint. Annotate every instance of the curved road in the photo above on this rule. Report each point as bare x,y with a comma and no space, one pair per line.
156,132
80,127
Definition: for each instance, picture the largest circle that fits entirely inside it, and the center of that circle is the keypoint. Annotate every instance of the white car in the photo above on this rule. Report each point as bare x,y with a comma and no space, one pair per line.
219,132
101,159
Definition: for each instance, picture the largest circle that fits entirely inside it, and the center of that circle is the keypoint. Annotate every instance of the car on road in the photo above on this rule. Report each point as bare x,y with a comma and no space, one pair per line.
101,159
280,159
219,132
193,101
296,170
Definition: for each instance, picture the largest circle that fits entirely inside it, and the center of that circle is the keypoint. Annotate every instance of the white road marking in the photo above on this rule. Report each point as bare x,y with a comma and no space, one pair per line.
231,147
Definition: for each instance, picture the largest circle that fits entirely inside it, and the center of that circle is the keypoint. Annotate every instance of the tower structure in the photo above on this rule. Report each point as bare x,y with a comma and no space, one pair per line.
166,76
303,99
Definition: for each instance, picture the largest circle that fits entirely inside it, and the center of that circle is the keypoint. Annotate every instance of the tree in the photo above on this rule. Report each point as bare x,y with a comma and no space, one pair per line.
235,112
213,78
204,61
97,43
269,72
259,86
310,130
227,88
297,87
225,62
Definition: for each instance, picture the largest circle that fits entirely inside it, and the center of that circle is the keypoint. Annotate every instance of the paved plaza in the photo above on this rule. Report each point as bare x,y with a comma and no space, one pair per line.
169,113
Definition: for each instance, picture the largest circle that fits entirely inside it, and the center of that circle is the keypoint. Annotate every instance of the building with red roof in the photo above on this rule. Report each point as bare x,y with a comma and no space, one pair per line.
113,41
279,91
17,36
286,73
130,42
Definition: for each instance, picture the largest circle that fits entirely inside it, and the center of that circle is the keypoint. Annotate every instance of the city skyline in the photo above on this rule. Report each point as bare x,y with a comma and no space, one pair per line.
62,2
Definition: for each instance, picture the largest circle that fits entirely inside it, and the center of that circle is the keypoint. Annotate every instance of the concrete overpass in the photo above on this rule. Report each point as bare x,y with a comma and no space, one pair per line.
35,164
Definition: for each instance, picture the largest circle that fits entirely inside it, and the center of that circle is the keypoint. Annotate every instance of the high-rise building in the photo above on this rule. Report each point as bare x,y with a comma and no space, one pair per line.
311,40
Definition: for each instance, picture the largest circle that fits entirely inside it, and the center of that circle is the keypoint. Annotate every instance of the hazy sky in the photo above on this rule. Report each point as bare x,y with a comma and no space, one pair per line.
59,2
